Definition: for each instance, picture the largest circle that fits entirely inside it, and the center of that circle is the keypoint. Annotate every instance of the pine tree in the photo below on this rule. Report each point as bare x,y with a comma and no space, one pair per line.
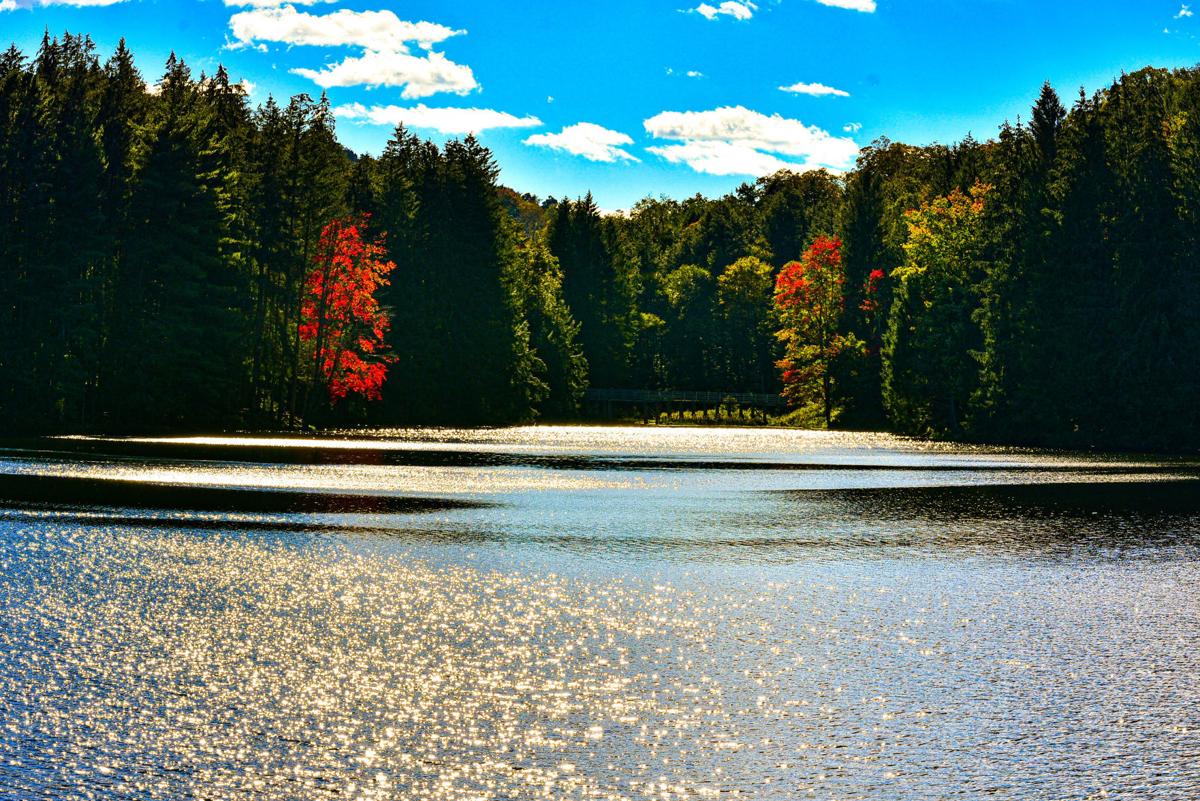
600,286
19,192
796,207
1152,317
175,291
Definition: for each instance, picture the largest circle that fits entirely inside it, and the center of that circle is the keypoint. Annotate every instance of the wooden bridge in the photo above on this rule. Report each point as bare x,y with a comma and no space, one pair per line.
653,404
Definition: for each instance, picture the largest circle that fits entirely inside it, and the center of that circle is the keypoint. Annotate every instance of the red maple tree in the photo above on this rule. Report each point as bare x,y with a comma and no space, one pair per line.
341,318
809,302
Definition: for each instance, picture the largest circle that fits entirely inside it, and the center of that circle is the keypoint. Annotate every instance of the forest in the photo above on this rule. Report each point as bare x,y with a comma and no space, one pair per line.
175,260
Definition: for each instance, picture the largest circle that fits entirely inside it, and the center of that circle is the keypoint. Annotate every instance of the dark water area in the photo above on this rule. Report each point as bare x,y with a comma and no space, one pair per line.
595,613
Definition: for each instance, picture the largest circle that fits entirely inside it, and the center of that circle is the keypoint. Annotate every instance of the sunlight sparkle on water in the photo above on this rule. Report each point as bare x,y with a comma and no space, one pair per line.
936,622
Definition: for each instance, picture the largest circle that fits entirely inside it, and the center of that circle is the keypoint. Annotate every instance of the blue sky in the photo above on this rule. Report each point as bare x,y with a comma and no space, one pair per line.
630,98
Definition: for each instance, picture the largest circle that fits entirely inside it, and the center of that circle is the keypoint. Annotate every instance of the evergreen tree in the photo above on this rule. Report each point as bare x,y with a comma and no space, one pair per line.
600,286
1015,314
1152,362
554,332
491,371
1077,297
15,86
177,294
795,208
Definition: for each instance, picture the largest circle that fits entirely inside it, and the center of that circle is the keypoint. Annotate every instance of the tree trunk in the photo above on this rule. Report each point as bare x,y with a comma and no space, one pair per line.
825,387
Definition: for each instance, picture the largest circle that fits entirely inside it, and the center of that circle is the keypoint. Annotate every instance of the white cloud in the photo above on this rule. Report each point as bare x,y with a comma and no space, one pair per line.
852,127
593,142
384,37
1184,11
695,74
421,76
231,44
738,9
8,5
442,120
370,30
722,158
866,6
734,140
814,89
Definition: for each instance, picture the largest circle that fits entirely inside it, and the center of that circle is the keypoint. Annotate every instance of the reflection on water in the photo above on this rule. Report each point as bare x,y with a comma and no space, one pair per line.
595,614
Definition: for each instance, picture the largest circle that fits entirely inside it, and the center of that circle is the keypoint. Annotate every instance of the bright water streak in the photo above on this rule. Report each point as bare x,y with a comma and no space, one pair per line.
943,624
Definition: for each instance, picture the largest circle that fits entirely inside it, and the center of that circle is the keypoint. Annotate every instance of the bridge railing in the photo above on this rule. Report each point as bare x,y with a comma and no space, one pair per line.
762,400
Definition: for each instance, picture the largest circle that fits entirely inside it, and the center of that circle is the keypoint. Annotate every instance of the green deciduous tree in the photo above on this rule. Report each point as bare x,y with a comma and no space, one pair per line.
930,366
744,291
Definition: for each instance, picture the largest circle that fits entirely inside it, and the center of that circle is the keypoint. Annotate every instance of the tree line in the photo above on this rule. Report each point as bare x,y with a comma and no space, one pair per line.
158,245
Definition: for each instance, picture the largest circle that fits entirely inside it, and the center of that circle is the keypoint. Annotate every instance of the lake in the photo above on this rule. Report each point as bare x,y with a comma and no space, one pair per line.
595,613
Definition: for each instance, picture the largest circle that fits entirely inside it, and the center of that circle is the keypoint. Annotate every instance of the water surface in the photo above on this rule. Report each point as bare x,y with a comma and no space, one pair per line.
595,613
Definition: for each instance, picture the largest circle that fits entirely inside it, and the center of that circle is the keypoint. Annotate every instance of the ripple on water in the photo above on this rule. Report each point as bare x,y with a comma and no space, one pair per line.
180,621
158,664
